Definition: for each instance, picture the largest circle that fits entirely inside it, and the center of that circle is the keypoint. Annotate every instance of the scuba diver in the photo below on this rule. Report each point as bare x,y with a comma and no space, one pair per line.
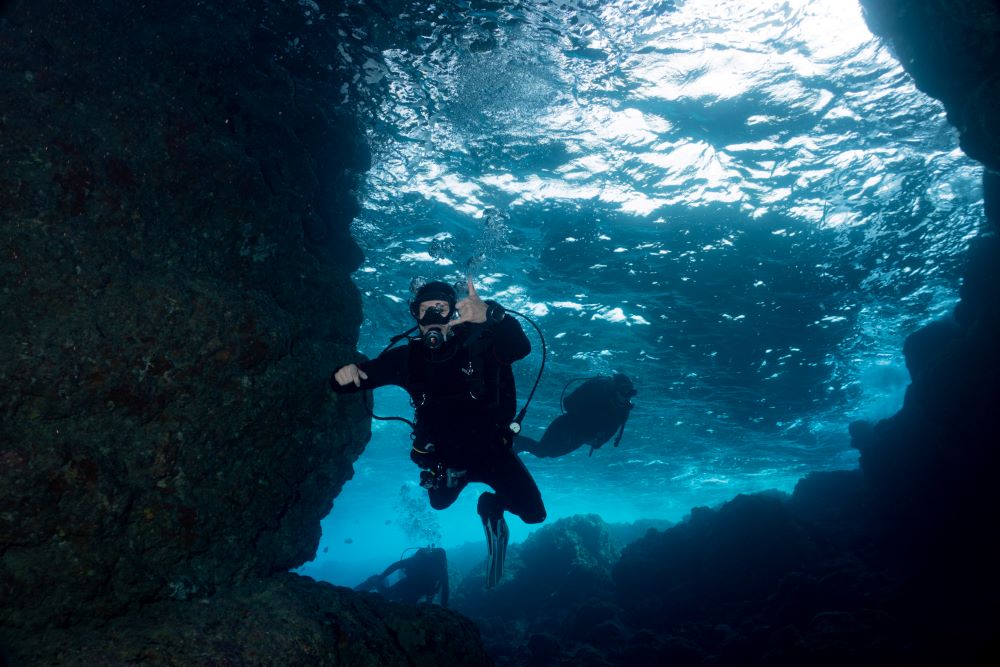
459,378
424,575
591,415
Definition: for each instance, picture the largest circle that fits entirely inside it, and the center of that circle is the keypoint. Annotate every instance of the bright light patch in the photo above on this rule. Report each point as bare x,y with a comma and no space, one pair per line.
567,304
613,315
539,309
424,257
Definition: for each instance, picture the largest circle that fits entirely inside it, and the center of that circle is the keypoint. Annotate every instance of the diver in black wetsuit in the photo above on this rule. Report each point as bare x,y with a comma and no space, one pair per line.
593,413
425,574
459,378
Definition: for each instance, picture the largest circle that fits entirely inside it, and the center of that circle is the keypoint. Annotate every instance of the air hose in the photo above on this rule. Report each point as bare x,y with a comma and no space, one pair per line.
515,426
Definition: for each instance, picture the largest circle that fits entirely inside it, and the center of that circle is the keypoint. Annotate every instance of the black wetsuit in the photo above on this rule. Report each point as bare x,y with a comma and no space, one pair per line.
425,574
464,398
594,413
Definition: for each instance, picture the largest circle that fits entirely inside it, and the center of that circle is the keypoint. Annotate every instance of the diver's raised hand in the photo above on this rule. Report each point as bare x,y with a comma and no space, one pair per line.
345,375
471,308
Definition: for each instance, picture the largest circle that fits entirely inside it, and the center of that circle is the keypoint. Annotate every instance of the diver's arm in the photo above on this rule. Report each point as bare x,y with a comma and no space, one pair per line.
349,374
392,568
387,368
509,341
373,582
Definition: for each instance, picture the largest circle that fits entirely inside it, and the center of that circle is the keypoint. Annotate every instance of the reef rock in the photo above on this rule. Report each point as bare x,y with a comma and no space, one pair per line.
557,590
174,277
281,620
930,467
951,48
557,567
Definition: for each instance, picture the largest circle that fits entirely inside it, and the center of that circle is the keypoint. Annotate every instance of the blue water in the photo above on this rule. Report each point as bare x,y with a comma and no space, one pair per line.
745,206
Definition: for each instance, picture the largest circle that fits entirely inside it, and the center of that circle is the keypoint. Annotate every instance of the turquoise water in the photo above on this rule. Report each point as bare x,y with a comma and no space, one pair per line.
745,206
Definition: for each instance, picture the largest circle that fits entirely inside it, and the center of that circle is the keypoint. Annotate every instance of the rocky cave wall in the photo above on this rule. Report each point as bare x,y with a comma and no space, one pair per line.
176,192
931,464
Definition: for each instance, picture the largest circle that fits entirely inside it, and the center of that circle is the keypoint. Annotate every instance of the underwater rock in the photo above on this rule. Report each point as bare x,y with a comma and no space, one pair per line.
282,620
714,564
557,568
175,281
556,597
765,579
952,51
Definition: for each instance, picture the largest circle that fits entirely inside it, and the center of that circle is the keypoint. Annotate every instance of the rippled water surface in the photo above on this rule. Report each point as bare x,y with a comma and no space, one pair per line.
745,206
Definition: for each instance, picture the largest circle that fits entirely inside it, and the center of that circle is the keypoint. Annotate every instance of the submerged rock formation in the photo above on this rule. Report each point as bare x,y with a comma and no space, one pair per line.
556,568
555,584
174,278
280,620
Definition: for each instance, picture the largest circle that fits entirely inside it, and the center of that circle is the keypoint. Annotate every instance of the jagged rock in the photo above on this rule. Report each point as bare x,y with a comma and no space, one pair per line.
282,620
558,567
716,560
952,50
177,189
170,307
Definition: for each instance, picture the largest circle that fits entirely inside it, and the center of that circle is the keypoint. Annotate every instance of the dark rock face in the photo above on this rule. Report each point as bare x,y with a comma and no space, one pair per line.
282,620
557,588
952,50
557,568
176,189
931,466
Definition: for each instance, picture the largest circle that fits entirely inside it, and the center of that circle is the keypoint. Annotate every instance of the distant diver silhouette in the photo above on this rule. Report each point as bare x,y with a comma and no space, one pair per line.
424,575
592,414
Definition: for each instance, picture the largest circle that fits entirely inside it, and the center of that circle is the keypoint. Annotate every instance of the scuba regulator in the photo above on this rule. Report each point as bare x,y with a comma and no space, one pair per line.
434,323
433,320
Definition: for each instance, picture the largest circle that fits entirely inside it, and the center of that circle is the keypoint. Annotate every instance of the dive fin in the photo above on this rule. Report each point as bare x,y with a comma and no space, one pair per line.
497,535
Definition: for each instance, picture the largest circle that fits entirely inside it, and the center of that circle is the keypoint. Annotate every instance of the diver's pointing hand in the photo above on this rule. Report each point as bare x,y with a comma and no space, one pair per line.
471,308
348,374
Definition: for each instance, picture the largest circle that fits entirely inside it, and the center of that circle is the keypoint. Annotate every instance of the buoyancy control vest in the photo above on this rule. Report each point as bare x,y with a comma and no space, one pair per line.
464,383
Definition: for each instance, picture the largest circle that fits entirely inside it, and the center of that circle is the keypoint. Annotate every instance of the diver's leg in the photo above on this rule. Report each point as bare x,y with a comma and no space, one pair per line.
442,495
515,488
490,509
560,438
515,491
523,443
